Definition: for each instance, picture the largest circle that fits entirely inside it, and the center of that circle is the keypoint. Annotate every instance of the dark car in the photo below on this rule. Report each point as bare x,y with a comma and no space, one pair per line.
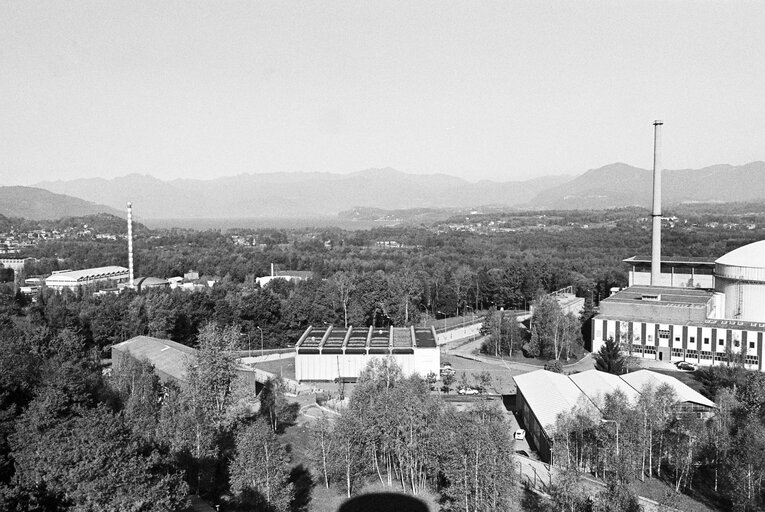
685,365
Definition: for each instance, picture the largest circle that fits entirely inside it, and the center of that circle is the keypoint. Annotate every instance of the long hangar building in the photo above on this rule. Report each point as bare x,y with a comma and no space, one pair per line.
325,355
705,326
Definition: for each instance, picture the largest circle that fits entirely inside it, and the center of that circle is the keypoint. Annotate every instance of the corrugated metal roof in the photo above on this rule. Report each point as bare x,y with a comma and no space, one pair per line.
596,384
685,393
88,273
548,395
167,356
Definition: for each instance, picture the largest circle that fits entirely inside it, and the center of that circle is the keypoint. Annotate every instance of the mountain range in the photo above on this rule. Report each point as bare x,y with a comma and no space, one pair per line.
38,204
296,194
291,195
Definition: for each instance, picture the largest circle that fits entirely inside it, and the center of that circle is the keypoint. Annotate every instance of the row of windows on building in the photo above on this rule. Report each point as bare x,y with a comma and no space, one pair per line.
702,355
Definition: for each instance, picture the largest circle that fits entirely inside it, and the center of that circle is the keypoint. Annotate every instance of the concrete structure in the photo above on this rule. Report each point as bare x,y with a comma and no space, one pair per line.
325,355
740,276
567,300
17,264
656,210
674,272
131,282
74,279
542,396
287,275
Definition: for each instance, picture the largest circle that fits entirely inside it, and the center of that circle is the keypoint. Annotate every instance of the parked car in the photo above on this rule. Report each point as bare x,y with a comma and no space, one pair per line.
685,365
520,434
467,391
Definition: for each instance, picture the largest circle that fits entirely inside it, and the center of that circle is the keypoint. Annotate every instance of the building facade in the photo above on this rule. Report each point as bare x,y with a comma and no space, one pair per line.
326,355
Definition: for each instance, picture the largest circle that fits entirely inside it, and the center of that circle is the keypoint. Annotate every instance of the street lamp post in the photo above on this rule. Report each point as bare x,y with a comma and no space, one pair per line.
261,340
617,433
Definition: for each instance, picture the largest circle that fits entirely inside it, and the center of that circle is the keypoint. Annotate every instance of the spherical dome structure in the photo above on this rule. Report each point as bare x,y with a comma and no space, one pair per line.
740,275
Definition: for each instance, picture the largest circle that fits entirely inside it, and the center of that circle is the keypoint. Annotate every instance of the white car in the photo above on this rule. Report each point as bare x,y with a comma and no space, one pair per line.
520,434
467,391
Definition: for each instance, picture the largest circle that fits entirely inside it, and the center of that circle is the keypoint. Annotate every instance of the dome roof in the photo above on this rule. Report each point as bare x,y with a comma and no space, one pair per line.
752,255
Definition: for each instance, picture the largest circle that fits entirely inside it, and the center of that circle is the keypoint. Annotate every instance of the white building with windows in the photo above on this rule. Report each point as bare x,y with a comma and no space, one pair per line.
702,326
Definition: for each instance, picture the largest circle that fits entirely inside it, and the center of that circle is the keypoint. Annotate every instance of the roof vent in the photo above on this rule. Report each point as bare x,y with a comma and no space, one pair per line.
655,297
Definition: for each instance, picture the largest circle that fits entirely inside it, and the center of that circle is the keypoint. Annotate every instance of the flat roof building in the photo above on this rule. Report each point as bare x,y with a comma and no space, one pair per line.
325,355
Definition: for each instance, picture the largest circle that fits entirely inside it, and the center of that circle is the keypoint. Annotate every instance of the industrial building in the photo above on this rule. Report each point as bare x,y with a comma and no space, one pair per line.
703,326
75,279
287,275
684,313
170,359
542,396
325,355
674,272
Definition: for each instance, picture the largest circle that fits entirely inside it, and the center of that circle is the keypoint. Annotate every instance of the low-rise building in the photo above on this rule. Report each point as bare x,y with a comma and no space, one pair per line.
74,279
542,396
326,355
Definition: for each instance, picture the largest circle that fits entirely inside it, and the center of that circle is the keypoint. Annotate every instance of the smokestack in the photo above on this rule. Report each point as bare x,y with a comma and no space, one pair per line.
130,245
656,211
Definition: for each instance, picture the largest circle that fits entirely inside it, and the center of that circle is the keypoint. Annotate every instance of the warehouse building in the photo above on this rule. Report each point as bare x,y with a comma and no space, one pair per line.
704,327
75,279
325,355
170,359
542,396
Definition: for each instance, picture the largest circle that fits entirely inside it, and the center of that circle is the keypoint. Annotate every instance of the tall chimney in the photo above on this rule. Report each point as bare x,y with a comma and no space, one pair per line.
130,245
656,211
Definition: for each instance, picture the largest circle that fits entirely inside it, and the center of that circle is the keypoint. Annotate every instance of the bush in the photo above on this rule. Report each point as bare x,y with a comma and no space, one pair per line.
554,366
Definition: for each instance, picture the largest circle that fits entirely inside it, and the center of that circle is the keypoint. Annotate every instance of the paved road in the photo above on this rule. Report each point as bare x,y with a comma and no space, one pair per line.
464,356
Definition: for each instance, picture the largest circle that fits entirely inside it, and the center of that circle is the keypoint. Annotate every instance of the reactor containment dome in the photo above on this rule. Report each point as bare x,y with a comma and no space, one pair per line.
740,276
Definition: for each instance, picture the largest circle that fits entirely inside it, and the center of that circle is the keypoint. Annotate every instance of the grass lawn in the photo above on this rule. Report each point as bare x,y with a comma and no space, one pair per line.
664,493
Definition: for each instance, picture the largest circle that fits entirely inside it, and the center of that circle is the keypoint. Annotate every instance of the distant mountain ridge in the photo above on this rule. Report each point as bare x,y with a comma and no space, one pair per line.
307,194
39,204
619,185
296,194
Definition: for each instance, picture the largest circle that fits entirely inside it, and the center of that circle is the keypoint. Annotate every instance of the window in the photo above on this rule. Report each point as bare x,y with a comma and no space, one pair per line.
637,349
664,334
677,338
706,341
720,342
677,352
736,343
751,344
692,339
650,337
705,354
752,360
649,350
691,354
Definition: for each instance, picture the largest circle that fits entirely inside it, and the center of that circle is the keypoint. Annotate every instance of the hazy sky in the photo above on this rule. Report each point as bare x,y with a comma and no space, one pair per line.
499,90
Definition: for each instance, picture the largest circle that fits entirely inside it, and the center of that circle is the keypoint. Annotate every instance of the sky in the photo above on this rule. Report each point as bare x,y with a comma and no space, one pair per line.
499,90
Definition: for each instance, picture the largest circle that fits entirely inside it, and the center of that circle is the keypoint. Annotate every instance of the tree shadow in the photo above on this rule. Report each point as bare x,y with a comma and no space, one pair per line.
383,502
303,483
